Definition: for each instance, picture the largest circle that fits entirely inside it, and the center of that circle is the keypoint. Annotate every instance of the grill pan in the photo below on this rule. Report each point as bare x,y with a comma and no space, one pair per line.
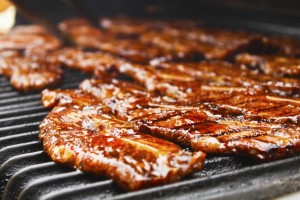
26,172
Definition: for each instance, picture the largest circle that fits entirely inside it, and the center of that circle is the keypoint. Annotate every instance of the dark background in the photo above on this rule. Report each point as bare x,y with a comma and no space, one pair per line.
279,11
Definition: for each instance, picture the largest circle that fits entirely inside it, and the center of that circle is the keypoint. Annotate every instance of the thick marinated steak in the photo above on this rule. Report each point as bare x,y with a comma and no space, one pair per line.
255,125
81,132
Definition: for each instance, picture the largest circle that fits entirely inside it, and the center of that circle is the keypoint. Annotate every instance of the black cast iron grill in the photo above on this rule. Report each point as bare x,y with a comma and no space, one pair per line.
28,173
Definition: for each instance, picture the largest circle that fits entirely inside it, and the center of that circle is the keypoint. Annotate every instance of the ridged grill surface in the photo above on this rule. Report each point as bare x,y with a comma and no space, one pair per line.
28,173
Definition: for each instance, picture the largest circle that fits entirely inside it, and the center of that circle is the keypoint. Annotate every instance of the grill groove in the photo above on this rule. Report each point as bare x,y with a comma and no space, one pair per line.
47,185
16,163
23,105
16,129
18,139
19,180
20,111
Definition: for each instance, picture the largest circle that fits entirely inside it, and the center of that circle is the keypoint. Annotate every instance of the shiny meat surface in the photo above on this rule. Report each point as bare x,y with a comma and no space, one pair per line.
129,26
28,37
128,47
29,73
161,41
254,125
25,54
187,79
211,44
81,132
87,61
270,64
185,36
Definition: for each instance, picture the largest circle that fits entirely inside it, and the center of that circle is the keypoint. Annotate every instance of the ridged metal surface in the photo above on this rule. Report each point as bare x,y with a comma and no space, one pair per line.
28,173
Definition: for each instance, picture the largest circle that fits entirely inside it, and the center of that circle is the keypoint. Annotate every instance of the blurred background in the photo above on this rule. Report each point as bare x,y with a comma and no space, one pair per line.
287,11
271,11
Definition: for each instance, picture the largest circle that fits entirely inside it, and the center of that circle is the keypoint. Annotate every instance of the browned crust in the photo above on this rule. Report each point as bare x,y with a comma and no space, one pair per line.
254,125
80,133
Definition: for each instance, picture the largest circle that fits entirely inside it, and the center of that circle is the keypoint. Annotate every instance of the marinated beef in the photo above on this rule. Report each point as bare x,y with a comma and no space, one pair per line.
28,73
125,25
259,126
81,132
87,61
28,37
186,79
161,41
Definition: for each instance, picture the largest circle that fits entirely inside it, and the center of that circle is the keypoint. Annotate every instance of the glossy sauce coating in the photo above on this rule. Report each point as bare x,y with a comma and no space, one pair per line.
182,80
160,41
255,125
87,61
25,54
29,36
29,73
81,132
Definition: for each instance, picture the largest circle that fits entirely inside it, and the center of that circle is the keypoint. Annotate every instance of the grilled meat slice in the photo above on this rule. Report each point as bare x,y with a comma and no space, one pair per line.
133,49
175,79
163,41
29,73
122,96
182,80
185,36
211,44
82,32
125,25
24,56
270,64
140,52
268,125
87,61
27,38
80,132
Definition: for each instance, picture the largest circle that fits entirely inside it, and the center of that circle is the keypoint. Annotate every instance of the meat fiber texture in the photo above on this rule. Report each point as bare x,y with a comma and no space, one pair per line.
81,132
256,125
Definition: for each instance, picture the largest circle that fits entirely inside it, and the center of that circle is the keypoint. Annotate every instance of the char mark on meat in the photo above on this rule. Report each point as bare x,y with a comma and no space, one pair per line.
185,80
255,125
81,132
